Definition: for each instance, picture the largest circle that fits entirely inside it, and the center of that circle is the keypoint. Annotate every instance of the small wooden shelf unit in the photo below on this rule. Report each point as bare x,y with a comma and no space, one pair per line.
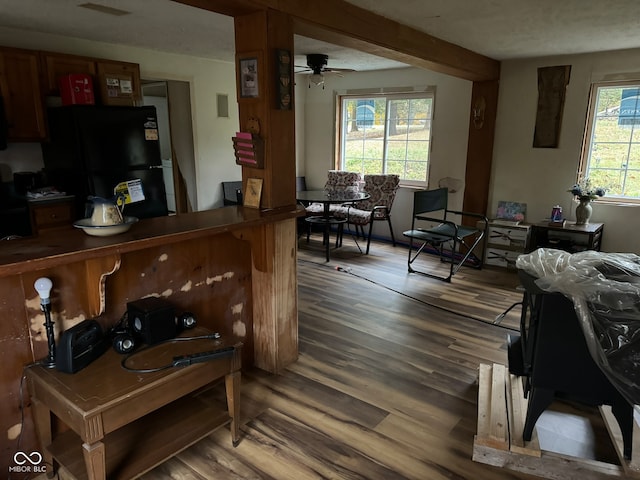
122,424
505,243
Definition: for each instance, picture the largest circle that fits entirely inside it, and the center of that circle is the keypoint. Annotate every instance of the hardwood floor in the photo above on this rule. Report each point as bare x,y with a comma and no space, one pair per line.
477,294
385,386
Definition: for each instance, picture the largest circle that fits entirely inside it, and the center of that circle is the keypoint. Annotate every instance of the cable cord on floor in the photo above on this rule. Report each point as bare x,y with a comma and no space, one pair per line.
349,271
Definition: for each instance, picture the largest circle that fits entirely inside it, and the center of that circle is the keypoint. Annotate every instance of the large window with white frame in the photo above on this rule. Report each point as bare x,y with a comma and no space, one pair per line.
387,133
611,150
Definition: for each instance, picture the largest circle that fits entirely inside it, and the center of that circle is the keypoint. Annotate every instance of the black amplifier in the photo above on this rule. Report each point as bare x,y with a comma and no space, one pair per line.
80,345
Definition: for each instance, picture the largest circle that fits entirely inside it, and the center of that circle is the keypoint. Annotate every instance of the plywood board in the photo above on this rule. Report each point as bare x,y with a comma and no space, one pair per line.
501,402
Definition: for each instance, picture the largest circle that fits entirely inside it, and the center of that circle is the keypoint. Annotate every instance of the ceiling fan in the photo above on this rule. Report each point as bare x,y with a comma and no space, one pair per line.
317,67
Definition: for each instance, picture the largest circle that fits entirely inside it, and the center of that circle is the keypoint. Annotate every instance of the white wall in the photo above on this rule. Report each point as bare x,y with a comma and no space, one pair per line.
212,135
540,177
450,130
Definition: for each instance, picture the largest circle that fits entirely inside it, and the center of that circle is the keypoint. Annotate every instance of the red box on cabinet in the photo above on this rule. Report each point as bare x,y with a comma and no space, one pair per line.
76,89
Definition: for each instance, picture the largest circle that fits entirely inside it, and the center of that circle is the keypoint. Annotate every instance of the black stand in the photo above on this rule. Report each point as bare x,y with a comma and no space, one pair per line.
50,361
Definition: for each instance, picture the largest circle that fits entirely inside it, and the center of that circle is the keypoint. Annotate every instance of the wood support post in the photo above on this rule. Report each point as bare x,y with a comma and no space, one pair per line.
263,35
260,36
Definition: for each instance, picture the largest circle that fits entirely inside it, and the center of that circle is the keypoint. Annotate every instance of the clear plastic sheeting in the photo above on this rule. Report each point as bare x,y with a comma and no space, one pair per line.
605,290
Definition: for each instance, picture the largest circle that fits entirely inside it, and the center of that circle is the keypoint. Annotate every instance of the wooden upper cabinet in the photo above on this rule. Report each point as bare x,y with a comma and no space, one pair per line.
28,76
114,82
56,65
119,83
20,89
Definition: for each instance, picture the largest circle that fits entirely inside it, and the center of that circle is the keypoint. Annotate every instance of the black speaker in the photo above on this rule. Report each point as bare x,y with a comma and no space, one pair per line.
124,341
152,319
186,320
80,345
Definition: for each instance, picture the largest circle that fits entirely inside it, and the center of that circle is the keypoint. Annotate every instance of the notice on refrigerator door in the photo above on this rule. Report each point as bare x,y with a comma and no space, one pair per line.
151,129
132,191
151,134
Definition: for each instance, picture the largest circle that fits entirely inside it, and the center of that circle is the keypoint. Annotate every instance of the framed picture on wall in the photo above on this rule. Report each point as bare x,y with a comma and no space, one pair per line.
249,86
284,70
253,193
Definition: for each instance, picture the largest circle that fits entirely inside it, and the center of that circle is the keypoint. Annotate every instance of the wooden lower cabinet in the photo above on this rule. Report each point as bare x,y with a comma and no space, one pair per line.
52,214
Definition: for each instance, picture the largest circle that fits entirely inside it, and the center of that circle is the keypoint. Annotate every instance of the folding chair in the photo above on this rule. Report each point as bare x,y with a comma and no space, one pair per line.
460,239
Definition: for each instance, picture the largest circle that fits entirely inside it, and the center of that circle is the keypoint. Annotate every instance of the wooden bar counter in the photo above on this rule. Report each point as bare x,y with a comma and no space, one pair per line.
234,268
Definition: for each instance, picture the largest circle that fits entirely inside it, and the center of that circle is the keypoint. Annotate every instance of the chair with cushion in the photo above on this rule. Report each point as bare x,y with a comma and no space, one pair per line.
336,180
382,190
433,229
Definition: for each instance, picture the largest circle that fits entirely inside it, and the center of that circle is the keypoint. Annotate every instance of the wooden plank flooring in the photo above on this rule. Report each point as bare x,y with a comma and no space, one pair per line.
386,384
479,294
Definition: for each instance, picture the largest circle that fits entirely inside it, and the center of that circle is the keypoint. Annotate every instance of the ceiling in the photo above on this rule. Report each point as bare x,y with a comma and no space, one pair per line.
500,29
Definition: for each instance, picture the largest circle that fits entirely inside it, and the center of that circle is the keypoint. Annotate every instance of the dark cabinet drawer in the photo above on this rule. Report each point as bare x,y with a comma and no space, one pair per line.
51,215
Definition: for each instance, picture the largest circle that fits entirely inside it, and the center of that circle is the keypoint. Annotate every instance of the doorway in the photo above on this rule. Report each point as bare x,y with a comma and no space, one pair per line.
172,100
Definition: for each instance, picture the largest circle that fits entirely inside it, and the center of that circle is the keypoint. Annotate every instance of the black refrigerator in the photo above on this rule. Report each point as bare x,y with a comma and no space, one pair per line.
94,148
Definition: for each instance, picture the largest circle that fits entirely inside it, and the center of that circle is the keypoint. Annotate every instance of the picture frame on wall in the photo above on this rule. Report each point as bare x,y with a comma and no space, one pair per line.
248,69
284,71
253,193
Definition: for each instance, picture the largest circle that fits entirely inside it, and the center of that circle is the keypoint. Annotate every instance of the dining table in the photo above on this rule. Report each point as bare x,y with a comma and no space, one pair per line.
327,219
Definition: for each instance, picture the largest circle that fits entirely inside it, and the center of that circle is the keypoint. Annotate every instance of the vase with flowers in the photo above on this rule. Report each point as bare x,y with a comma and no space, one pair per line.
585,192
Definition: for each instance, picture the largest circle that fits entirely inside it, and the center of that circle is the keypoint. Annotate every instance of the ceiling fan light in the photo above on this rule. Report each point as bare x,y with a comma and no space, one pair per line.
317,79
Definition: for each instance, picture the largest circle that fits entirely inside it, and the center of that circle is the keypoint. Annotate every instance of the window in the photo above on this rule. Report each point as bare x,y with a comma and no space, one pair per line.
388,133
611,151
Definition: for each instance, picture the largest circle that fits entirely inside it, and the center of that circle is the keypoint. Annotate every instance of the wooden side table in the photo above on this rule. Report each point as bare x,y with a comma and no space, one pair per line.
570,237
121,423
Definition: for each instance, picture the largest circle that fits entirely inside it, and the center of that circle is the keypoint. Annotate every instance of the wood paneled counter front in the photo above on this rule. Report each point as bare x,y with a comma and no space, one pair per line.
233,267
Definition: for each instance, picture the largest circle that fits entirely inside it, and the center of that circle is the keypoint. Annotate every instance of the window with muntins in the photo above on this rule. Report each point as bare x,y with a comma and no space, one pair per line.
611,150
387,134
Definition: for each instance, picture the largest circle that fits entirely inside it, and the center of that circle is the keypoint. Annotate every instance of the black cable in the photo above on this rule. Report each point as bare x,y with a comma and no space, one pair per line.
212,336
439,307
21,401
